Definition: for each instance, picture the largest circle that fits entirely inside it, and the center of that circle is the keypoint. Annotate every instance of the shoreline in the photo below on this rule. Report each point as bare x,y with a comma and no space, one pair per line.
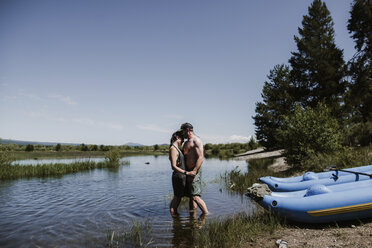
352,234
258,153
279,161
357,233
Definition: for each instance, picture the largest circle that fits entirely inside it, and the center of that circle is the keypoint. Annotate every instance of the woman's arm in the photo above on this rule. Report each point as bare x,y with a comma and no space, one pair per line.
173,158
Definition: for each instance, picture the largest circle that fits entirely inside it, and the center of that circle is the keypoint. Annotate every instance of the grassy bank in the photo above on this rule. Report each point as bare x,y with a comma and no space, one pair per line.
224,151
237,181
263,224
20,155
8,171
237,230
345,158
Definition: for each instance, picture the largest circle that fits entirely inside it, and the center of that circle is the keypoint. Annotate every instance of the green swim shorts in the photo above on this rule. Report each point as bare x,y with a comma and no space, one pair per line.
194,187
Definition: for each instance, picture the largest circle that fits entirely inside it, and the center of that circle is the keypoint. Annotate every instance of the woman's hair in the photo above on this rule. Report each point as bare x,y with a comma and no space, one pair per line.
175,136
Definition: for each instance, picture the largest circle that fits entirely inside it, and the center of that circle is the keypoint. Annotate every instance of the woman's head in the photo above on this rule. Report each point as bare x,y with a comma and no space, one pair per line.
175,136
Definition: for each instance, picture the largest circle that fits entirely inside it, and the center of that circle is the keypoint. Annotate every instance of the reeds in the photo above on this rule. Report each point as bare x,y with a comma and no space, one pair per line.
137,235
8,171
6,158
234,231
238,181
237,230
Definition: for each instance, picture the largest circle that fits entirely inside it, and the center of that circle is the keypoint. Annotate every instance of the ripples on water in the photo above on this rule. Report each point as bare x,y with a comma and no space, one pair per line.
78,209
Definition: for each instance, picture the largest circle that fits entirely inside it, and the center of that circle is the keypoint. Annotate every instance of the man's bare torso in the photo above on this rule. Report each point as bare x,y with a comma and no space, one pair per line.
189,150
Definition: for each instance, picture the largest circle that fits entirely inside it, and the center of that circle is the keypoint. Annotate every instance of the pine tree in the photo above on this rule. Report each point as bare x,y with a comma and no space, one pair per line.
360,67
318,65
359,97
277,102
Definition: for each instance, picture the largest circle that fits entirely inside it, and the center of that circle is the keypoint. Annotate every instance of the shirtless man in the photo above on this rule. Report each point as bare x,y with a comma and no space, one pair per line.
194,156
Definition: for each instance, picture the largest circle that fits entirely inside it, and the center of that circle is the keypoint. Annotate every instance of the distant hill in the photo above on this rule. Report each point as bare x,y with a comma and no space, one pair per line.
23,142
133,144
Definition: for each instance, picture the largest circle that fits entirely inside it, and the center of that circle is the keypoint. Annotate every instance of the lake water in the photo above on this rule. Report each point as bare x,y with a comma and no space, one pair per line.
77,210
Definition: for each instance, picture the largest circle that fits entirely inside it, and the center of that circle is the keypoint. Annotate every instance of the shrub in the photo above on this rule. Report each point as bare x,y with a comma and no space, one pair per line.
348,157
29,148
309,131
238,181
215,150
93,148
104,148
208,146
84,147
5,158
236,150
252,144
359,134
113,157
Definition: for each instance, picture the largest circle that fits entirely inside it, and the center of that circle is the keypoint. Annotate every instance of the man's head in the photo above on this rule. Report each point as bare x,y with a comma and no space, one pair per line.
186,128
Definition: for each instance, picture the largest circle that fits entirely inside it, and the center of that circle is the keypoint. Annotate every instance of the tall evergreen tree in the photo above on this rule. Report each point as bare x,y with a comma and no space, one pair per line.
318,65
277,102
359,97
360,67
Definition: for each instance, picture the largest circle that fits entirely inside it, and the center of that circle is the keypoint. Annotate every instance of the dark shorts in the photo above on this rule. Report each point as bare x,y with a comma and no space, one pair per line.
179,184
194,187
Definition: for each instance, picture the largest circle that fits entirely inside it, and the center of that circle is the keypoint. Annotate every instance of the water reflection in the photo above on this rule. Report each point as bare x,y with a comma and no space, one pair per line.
77,209
183,229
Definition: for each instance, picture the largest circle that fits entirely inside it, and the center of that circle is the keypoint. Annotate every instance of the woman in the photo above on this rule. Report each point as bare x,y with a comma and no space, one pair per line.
179,171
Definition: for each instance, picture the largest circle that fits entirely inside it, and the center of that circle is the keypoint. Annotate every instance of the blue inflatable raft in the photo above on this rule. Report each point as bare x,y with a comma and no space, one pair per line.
311,178
322,204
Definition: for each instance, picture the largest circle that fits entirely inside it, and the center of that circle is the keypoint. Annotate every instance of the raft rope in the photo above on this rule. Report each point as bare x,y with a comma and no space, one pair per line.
333,168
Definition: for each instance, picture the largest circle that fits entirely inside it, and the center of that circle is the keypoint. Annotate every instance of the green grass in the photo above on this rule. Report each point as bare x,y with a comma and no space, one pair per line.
237,181
244,228
20,155
236,231
8,171
346,158
137,235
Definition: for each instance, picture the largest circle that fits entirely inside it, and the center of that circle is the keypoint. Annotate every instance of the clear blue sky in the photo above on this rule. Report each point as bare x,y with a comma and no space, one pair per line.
110,72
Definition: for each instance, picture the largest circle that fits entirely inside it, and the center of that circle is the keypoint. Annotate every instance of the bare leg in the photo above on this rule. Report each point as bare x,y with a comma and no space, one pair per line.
174,205
171,209
192,205
201,204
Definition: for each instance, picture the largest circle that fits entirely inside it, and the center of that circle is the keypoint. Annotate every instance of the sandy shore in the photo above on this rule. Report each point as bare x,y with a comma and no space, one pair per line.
279,162
351,235
258,153
356,234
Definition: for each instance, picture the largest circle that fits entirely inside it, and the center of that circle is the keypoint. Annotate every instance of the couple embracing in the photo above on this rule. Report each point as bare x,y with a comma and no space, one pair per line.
186,177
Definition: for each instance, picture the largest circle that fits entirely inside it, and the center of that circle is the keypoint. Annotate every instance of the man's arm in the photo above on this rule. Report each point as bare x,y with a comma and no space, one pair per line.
200,153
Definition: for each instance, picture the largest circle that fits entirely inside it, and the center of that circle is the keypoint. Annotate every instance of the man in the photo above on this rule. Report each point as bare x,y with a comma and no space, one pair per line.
194,156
